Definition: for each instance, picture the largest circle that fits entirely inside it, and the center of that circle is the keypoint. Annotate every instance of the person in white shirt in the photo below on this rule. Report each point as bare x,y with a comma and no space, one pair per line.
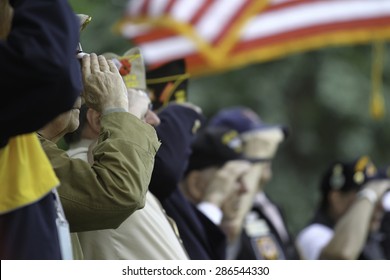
349,216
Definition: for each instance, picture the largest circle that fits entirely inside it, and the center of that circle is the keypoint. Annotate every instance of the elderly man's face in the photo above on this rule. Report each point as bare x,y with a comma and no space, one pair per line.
141,99
67,122
71,118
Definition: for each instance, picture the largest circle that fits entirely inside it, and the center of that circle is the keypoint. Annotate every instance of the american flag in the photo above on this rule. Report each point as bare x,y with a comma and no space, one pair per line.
218,35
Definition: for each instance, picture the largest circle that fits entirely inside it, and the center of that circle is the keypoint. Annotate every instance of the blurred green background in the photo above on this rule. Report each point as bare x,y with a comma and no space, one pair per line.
322,96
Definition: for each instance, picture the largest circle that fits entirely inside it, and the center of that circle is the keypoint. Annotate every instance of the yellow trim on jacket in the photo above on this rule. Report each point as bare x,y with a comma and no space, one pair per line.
26,174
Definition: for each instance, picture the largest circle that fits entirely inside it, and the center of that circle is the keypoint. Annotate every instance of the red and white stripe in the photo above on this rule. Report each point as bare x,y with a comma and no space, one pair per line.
211,20
311,14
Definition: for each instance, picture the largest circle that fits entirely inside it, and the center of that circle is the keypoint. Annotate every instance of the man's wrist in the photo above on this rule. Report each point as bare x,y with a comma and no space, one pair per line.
113,110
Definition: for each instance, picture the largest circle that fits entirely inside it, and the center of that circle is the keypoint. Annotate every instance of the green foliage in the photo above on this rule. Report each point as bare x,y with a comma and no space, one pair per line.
99,36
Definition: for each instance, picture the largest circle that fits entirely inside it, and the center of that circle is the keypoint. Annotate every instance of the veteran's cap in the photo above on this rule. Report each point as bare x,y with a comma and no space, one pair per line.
243,120
348,176
214,146
168,83
131,67
84,20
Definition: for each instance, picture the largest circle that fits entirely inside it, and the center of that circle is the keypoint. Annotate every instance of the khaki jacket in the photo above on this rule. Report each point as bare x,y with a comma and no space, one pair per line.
145,235
103,195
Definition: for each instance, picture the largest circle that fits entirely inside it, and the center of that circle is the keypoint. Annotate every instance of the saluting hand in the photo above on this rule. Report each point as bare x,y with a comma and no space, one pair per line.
103,86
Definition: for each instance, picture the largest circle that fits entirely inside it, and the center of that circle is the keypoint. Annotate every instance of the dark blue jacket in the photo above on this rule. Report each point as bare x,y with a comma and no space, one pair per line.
176,135
201,238
30,233
40,76
250,250
385,232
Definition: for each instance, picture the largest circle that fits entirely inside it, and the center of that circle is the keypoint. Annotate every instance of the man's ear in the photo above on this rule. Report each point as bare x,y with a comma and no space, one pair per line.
336,201
195,187
333,197
93,118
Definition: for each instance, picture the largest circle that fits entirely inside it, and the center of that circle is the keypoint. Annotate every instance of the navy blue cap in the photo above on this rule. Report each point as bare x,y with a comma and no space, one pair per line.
243,120
214,146
348,176
383,173
167,83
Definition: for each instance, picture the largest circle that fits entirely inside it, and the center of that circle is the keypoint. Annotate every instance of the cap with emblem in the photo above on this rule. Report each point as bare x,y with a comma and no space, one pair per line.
214,146
84,20
243,120
131,67
348,176
168,83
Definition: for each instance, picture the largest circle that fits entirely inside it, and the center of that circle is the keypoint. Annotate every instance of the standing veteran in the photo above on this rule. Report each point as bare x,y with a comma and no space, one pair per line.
103,195
40,78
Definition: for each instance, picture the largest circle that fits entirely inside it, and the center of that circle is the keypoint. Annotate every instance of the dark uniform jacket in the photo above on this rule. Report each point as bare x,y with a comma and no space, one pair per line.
385,232
268,244
201,238
40,78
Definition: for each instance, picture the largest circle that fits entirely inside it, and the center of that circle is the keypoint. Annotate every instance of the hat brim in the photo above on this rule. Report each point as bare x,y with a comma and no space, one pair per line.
285,130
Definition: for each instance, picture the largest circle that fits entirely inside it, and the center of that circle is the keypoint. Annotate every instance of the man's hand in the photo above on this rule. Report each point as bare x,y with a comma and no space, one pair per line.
139,102
103,86
379,187
226,182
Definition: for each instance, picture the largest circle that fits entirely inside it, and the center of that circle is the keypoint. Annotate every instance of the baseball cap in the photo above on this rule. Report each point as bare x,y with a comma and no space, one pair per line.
214,146
243,120
131,67
383,173
348,176
84,20
168,83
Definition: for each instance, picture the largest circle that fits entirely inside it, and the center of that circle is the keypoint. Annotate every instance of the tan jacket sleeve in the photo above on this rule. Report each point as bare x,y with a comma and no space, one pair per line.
103,195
